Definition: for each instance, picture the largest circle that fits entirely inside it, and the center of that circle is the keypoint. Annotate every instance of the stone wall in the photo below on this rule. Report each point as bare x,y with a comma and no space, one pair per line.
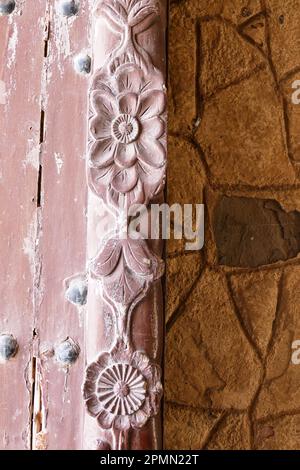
233,308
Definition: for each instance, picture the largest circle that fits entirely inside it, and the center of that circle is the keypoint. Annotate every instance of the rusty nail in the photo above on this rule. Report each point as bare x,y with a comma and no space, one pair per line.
8,347
68,7
67,351
7,7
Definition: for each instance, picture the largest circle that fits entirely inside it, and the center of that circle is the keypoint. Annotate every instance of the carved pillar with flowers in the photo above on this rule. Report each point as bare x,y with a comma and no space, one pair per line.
126,166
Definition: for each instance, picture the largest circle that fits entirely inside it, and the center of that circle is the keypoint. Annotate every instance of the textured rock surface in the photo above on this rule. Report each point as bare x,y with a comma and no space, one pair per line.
235,134
233,433
256,298
233,310
281,392
279,433
203,346
182,273
225,57
182,103
183,188
283,26
251,232
199,425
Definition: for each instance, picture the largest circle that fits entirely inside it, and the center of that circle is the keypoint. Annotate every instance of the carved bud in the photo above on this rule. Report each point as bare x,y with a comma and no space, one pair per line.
68,7
7,7
67,352
76,292
82,64
8,347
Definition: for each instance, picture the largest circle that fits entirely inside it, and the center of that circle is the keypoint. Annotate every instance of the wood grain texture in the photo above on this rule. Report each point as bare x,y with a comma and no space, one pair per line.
20,88
62,248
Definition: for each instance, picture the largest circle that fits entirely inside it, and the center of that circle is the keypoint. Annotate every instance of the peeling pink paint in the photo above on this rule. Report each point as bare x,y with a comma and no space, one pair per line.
18,210
43,229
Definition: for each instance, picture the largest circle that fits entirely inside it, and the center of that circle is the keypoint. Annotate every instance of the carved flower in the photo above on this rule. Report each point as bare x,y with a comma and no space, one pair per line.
128,156
122,389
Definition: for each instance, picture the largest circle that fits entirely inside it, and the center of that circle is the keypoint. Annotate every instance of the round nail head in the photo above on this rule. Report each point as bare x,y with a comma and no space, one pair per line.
67,352
77,291
68,7
82,64
7,7
8,347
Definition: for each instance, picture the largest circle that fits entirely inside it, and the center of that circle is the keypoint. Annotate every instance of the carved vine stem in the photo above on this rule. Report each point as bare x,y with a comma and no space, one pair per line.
126,166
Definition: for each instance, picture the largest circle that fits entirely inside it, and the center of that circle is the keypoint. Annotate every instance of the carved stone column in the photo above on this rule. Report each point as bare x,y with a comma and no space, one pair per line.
126,165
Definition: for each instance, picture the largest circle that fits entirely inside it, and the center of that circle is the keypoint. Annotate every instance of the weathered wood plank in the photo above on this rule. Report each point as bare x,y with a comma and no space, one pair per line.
21,58
63,228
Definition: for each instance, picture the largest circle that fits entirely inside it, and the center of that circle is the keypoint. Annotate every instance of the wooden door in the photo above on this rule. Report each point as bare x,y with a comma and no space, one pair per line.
46,54
43,222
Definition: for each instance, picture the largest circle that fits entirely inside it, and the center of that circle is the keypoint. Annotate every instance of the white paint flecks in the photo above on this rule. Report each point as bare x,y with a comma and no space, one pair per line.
33,154
19,7
59,162
30,243
62,36
61,27
12,46
17,413
2,92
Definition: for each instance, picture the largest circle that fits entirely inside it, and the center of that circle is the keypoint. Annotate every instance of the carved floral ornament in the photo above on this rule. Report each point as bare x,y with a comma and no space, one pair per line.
122,389
128,155
126,165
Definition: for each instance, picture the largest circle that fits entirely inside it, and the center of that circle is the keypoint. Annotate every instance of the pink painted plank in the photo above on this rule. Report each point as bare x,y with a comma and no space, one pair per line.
21,57
63,225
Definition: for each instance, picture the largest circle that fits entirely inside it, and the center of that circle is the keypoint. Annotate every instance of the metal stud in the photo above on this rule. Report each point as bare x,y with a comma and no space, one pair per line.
67,352
7,7
82,64
68,7
76,292
8,347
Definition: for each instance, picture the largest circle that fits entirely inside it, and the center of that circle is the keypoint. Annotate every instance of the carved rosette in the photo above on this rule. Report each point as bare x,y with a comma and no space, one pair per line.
122,389
126,166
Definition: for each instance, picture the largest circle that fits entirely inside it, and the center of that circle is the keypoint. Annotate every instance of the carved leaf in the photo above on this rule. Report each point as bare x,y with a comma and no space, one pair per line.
135,253
114,13
138,257
124,288
126,267
107,259
143,12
